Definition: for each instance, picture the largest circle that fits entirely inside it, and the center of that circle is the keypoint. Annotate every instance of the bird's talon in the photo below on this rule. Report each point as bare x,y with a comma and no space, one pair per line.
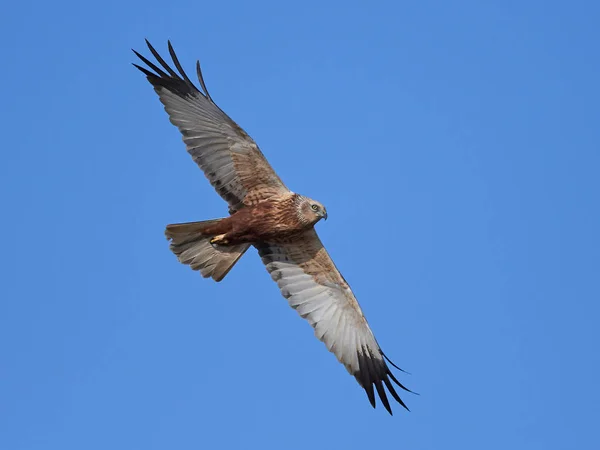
218,240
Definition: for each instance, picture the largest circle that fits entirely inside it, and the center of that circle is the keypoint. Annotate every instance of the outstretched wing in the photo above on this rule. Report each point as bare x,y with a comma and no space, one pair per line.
313,286
230,158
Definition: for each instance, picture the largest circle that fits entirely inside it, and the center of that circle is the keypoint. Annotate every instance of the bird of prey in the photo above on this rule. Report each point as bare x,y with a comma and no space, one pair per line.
264,213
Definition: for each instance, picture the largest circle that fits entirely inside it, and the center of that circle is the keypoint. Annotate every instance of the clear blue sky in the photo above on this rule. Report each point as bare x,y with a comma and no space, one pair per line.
456,146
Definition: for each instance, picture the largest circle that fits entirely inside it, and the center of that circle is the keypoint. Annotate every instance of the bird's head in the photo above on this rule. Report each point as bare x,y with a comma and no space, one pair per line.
311,211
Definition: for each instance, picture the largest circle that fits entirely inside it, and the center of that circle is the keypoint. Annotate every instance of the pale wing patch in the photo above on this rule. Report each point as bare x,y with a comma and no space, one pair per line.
313,286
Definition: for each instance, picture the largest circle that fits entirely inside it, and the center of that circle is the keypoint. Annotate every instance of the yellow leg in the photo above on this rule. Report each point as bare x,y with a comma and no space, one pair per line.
219,240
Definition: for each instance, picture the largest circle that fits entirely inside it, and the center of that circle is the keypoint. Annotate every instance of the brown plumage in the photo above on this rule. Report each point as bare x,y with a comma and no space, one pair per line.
266,214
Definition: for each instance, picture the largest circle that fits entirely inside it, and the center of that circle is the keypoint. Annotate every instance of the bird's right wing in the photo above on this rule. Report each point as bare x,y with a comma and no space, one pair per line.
230,158
313,286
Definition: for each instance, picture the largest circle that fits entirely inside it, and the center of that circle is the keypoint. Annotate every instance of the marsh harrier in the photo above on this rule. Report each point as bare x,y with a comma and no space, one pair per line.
266,214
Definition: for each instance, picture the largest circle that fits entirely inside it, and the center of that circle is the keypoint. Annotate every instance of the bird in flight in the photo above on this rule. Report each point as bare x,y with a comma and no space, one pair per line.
264,213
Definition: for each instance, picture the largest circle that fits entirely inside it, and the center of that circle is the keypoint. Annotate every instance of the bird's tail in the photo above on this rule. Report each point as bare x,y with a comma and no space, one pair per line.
191,243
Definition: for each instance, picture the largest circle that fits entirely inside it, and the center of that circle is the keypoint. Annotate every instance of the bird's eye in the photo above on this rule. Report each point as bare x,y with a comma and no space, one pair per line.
315,207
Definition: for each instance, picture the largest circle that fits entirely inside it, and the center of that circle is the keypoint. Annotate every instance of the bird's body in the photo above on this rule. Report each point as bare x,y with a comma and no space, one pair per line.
274,220
264,213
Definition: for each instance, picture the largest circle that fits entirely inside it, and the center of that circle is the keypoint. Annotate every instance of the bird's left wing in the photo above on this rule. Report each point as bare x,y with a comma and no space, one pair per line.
313,286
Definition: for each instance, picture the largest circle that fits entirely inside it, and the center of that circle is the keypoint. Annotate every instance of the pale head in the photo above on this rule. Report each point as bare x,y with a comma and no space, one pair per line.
310,211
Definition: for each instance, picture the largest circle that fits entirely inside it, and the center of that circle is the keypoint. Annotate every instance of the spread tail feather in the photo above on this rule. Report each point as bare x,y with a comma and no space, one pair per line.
193,247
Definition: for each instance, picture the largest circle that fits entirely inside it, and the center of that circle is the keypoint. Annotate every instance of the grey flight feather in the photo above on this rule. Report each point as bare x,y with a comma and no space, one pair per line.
229,158
313,286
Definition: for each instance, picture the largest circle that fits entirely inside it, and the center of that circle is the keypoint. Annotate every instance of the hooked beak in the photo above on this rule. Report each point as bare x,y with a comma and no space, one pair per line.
324,215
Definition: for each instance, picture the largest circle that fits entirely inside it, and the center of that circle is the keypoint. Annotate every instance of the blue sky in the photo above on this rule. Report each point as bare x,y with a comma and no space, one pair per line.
456,146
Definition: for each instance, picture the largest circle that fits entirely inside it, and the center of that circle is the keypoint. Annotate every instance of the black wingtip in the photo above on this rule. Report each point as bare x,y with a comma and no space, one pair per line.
392,363
143,70
148,44
162,62
162,75
178,65
201,80
370,394
383,397
157,70
395,380
390,387
375,375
